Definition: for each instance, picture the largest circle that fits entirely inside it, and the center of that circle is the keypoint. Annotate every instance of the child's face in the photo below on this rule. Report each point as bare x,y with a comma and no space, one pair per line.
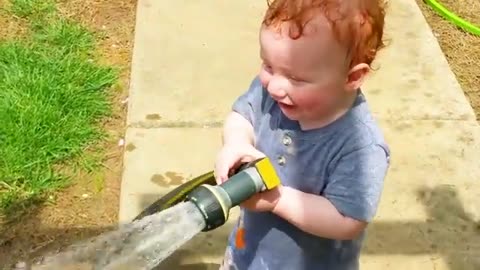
309,76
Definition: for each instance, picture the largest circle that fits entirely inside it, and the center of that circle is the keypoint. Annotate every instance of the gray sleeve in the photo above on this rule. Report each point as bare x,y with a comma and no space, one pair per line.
356,184
249,103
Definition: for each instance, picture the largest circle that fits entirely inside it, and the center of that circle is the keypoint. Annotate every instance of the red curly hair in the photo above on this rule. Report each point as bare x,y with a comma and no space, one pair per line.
357,24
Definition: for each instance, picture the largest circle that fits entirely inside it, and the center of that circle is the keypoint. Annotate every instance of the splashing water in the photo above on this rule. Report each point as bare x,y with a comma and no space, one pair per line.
139,245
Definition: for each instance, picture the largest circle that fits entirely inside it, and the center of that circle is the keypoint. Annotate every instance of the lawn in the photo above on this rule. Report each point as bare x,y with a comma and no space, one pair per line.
53,95
64,67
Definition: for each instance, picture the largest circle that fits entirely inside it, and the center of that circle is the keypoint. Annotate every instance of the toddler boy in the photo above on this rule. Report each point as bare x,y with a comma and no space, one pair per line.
306,112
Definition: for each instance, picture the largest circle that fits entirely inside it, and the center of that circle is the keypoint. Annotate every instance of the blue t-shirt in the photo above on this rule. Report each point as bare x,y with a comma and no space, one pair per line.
345,161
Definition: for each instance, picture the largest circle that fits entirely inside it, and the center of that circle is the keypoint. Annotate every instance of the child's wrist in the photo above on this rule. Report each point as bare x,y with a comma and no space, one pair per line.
279,206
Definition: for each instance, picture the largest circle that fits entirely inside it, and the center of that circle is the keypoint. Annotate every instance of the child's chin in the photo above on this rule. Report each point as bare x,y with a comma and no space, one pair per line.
290,113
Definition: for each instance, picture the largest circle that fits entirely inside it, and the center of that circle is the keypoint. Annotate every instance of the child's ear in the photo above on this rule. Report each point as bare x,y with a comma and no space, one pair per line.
356,76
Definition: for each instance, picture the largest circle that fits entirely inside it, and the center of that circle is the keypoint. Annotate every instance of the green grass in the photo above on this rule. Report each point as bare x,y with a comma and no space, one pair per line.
53,94
29,8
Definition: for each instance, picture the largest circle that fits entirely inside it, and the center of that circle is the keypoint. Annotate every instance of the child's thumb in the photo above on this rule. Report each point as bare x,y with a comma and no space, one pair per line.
255,154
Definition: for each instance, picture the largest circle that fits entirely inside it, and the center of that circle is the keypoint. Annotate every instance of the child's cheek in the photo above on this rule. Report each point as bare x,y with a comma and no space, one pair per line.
311,102
264,78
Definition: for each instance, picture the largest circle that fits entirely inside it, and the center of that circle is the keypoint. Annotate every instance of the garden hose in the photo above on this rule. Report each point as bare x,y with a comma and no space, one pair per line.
215,201
453,18
177,195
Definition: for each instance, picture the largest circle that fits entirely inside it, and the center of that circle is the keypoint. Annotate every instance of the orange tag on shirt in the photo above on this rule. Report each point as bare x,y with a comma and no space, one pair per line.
240,235
239,239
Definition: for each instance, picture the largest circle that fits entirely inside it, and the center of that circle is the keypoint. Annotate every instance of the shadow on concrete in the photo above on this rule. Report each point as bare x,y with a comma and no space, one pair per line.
448,234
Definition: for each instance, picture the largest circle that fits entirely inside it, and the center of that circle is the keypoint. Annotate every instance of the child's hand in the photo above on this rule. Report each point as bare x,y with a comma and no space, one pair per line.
263,202
231,156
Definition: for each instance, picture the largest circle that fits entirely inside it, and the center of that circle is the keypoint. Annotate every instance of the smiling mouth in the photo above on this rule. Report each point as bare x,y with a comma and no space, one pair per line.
285,106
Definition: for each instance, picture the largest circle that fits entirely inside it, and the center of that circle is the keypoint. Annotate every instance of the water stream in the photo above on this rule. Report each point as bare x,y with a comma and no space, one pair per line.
139,245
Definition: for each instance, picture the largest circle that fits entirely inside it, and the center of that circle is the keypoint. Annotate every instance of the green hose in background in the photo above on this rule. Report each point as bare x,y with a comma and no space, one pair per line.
453,18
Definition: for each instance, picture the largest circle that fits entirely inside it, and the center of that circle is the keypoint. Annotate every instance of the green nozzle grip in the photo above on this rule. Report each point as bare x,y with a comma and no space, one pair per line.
242,186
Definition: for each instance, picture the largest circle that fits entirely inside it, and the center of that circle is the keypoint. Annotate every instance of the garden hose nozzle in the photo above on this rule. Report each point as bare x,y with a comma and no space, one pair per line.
215,201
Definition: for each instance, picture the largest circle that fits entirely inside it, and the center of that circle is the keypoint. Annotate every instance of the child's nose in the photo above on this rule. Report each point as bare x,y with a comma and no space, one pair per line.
276,90
277,93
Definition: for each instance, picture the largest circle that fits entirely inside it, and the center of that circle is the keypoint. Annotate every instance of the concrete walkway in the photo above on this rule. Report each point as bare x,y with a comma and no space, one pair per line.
192,58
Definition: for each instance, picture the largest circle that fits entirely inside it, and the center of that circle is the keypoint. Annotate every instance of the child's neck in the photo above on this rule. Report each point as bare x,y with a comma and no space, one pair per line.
327,119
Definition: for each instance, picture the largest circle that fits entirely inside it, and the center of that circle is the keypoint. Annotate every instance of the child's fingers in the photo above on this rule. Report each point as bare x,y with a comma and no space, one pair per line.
230,159
223,166
220,173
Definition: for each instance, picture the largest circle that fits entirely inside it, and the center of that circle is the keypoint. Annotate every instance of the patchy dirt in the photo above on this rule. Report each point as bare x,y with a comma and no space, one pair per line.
90,206
461,49
10,28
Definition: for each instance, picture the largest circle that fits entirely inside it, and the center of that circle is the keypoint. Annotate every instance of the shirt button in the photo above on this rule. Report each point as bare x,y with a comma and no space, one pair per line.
287,140
281,160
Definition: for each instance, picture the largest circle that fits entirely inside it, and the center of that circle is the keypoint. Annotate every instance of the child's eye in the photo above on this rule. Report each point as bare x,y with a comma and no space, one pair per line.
294,78
267,68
